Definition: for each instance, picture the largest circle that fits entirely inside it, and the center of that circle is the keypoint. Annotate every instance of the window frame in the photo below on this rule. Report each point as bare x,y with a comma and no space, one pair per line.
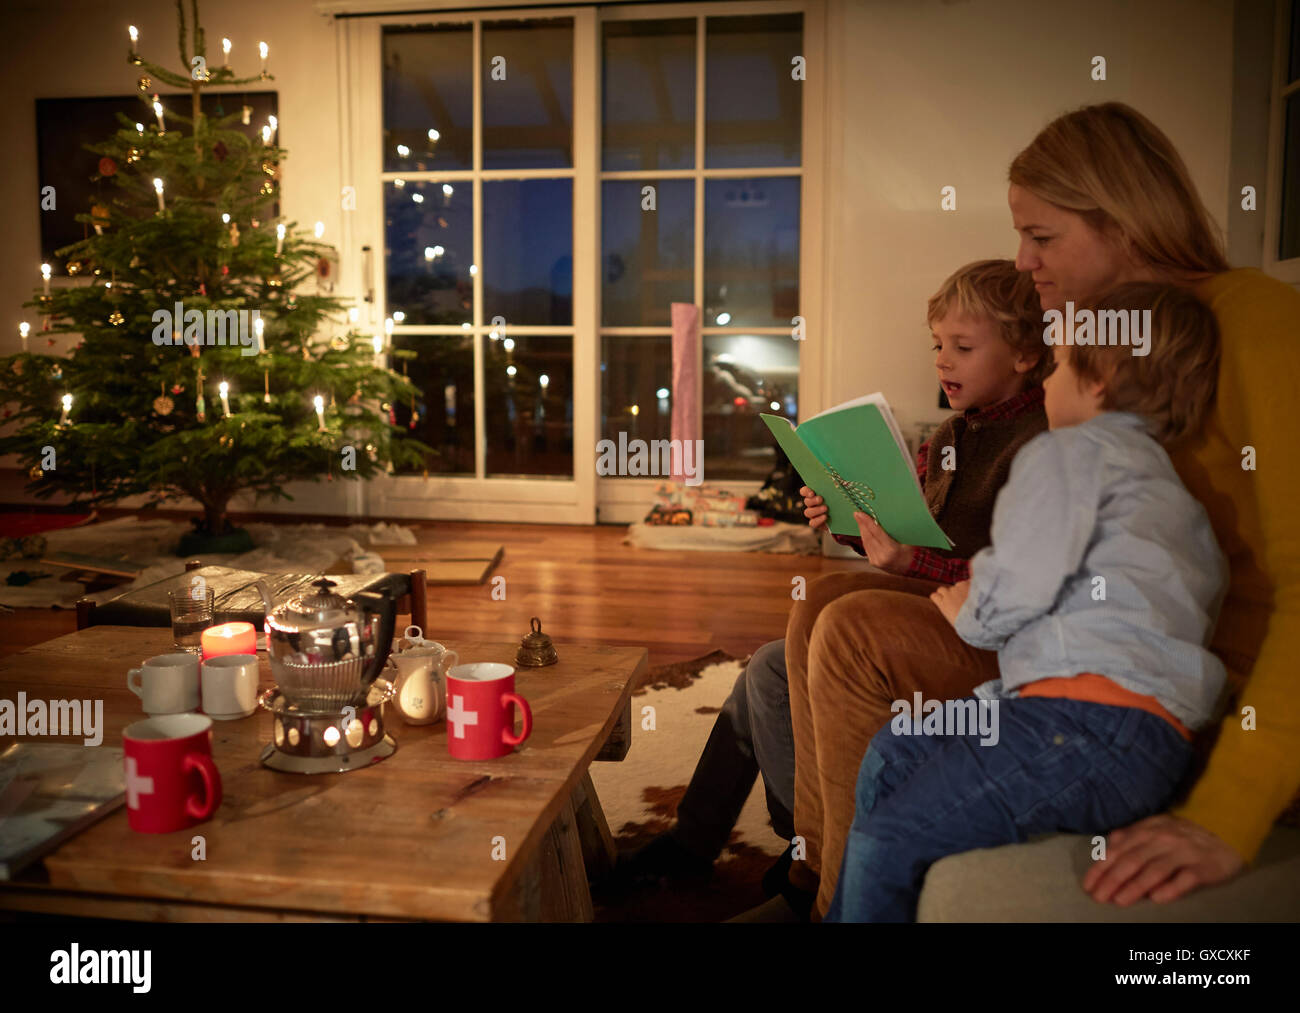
582,498
1287,270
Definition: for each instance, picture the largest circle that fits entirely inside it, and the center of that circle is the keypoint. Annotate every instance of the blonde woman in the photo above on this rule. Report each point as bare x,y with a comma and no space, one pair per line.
1101,197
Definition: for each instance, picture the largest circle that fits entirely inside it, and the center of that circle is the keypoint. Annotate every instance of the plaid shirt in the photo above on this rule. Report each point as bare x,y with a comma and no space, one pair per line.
926,563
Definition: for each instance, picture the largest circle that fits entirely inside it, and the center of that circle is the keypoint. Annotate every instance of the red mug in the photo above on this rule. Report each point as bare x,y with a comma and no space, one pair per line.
480,719
171,781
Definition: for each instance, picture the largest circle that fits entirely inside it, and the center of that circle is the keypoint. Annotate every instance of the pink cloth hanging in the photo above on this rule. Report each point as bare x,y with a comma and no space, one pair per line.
687,424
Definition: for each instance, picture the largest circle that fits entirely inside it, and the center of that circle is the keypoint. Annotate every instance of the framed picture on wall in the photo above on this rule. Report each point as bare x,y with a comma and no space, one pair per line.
65,125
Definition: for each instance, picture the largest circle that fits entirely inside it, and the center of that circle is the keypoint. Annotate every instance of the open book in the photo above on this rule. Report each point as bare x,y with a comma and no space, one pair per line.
854,457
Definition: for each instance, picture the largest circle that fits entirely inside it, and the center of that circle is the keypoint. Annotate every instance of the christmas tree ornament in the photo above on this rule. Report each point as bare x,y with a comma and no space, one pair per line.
18,366
108,167
220,151
57,372
225,270
275,280
234,236
115,318
339,343
268,188
135,262
74,268
162,404
178,388
132,155
266,386
36,471
144,83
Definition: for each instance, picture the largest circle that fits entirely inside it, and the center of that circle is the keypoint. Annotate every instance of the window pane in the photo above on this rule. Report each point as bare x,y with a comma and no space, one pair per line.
647,256
753,104
633,370
428,87
744,375
528,401
751,252
1289,245
430,236
1294,69
648,95
528,94
444,411
528,251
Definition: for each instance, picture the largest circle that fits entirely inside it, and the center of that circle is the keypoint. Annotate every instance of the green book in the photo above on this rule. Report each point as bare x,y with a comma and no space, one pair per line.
854,457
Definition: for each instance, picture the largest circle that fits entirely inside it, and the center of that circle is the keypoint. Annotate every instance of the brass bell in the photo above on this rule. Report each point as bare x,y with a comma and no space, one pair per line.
536,650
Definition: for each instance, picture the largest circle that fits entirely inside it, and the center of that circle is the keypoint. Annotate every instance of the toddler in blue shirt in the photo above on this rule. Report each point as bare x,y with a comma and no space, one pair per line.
1099,592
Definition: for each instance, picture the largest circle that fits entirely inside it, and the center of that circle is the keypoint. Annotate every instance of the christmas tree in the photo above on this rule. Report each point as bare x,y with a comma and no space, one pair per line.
209,364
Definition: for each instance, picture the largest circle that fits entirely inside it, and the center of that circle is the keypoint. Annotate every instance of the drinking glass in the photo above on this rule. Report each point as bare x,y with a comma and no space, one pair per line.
191,615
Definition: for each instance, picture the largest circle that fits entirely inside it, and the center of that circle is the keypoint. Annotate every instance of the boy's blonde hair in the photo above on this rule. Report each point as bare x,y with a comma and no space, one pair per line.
1115,168
1174,385
995,290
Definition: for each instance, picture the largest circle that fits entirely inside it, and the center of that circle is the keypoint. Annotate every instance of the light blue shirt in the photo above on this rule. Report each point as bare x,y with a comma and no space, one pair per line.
1101,562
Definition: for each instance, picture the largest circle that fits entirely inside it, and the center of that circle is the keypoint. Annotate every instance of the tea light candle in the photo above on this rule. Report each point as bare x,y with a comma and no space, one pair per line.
228,638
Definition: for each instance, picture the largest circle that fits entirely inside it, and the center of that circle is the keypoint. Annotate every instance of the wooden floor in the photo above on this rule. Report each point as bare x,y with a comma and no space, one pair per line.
586,586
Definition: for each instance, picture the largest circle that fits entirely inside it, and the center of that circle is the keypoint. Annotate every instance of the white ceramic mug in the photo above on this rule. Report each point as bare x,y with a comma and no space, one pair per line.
167,683
230,686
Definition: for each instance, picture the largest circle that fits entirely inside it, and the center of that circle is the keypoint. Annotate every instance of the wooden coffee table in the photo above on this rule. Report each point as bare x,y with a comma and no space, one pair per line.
417,836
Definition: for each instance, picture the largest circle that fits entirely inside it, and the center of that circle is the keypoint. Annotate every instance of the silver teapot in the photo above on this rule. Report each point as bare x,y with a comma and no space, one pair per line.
326,650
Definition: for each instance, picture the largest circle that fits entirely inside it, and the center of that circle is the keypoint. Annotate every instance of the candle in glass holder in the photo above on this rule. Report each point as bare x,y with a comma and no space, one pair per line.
228,638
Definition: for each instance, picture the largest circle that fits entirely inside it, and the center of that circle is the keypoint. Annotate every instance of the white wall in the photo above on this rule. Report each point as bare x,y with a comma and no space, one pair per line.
923,95
933,94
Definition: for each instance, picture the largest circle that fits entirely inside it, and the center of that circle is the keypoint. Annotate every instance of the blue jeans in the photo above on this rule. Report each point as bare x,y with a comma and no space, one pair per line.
752,734
1058,765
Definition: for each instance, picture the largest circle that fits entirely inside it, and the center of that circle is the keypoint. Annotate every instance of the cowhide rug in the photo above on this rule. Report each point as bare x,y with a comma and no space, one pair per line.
640,796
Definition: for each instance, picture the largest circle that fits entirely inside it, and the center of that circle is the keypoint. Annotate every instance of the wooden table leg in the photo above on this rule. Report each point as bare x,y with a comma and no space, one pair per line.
565,896
620,737
598,849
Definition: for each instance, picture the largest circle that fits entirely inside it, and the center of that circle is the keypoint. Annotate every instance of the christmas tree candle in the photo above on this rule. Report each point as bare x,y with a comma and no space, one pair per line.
158,112
23,330
45,277
158,188
225,53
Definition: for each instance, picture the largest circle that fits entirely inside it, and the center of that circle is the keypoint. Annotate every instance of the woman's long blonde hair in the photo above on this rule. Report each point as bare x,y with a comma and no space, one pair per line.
1115,168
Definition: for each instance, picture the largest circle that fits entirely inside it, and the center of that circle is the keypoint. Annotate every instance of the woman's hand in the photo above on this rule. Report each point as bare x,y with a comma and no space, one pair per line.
881,550
1162,857
814,508
950,599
